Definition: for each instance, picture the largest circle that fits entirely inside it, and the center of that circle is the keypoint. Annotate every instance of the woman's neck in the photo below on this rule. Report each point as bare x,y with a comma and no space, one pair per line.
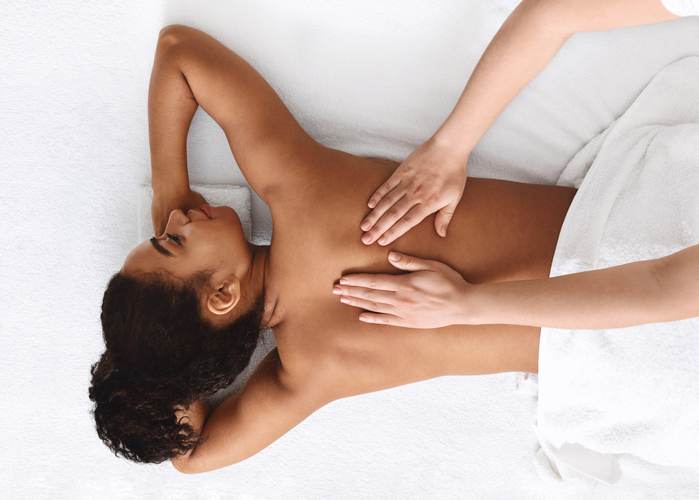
259,279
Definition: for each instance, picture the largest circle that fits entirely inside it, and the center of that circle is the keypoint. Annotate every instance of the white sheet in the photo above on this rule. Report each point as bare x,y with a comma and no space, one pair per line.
609,393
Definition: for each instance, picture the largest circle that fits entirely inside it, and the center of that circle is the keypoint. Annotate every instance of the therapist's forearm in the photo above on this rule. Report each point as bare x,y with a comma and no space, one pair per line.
171,107
614,297
523,46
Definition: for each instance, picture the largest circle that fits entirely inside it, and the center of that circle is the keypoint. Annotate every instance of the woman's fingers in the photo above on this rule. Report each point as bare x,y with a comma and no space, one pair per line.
384,188
411,219
381,207
388,219
164,202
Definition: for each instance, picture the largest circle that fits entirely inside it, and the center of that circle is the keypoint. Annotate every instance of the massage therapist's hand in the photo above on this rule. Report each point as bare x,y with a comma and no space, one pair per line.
166,200
432,295
431,179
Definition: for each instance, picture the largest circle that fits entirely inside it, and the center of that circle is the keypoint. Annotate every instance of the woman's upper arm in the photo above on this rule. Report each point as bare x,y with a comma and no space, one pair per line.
251,420
267,142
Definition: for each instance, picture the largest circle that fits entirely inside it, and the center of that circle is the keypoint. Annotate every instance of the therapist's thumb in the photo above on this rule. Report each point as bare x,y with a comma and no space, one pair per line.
443,218
409,262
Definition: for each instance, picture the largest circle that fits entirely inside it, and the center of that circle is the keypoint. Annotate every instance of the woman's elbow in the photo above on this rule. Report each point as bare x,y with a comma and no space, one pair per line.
172,34
183,465
173,40
187,466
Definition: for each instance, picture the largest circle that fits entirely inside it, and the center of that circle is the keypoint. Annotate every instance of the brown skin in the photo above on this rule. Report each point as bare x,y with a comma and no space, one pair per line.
317,196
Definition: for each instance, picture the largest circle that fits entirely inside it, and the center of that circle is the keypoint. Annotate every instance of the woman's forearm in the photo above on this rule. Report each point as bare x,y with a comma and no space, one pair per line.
523,46
614,297
171,106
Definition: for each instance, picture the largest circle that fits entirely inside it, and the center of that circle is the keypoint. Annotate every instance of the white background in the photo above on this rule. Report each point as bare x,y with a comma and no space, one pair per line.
372,78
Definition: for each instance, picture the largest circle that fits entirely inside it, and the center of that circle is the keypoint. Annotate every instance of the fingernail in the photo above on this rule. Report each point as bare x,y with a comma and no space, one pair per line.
371,203
344,300
366,239
444,230
337,290
364,225
344,281
383,241
365,319
393,257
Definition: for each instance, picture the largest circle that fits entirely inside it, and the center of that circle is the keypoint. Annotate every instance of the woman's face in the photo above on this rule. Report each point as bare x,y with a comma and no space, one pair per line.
207,238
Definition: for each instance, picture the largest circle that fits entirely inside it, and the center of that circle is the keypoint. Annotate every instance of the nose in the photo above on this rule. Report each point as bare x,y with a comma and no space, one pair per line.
175,220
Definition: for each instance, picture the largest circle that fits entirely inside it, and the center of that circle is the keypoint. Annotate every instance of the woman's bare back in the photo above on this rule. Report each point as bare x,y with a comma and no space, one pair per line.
502,230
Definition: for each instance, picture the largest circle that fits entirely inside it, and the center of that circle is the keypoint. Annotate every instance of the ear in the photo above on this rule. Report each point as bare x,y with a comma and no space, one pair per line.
225,296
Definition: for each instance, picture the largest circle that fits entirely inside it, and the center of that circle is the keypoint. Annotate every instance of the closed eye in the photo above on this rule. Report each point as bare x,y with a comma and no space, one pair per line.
174,238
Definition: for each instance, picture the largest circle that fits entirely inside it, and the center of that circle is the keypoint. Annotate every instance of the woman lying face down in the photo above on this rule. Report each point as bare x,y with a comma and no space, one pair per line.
182,317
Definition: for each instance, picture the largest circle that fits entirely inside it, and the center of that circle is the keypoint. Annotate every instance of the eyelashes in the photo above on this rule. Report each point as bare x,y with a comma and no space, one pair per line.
174,238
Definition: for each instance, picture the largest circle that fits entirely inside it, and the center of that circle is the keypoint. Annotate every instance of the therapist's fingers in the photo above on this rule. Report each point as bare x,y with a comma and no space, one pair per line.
411,219
383,296
412,263
383,319
388,219
368,305
443,218
382,207
384,188
375,281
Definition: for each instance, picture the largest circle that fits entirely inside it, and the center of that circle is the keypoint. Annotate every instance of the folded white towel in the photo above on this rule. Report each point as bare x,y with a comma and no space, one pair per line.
628,393
236,197
682,7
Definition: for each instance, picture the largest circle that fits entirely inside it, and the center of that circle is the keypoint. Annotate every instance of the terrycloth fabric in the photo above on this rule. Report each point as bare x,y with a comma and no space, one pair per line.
682,7
236,197
609,395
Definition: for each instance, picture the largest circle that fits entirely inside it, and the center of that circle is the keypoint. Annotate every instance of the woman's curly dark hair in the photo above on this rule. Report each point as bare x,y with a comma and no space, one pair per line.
160,352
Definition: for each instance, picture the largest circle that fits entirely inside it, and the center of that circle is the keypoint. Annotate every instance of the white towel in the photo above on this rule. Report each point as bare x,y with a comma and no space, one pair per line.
612,397
236,197
682,7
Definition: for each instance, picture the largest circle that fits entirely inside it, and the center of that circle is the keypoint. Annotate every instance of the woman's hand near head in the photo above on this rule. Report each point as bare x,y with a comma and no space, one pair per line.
432,295
165,201
195,415
431,179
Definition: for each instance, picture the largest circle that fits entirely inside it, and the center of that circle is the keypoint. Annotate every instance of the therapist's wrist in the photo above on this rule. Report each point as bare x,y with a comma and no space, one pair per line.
476,304
455,143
